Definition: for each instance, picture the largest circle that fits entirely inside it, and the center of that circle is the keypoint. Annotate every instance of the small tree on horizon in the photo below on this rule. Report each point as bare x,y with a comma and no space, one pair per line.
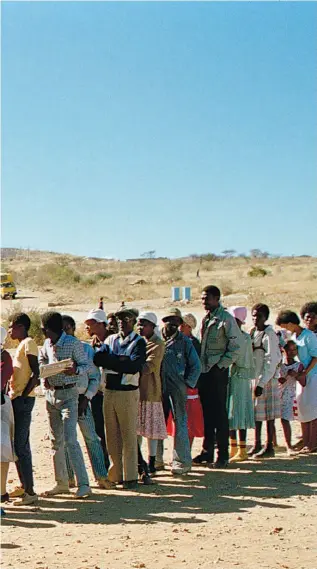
228,253
148,255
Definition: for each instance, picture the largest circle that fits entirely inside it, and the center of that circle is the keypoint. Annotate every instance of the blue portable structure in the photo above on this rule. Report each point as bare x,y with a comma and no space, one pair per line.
176,293
186,293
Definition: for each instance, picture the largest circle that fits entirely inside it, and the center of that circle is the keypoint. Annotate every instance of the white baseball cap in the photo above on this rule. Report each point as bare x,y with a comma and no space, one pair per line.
150,316
97,314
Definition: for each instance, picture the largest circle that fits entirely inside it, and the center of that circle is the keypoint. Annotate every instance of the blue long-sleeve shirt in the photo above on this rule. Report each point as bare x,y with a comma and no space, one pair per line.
88,384
181,362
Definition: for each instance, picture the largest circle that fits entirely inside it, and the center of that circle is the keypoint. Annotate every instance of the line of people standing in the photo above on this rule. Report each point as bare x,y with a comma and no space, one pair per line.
128,382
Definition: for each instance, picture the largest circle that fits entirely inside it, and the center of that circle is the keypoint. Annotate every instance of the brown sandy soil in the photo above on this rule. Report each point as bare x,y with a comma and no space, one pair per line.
257,515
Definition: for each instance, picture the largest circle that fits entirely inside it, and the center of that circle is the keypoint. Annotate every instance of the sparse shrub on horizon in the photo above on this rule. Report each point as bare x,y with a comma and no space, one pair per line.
50,274
257,272
104,276
226,288
209,257
208,267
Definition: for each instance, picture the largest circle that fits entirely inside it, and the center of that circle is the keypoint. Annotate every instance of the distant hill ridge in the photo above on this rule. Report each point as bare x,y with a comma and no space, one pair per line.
14,253
20,253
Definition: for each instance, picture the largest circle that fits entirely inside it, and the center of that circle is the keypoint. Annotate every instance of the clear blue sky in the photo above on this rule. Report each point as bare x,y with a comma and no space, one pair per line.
179,127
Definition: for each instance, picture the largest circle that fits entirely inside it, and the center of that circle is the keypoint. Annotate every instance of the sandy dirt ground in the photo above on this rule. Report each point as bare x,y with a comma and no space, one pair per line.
41,301
259,514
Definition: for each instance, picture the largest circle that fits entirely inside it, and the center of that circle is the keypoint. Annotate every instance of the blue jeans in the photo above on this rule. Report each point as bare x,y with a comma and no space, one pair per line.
174,399
22,410
97,413
87,426
62,409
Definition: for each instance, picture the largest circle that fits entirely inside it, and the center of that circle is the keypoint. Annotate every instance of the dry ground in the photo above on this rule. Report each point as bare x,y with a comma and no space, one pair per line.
78,281
260,514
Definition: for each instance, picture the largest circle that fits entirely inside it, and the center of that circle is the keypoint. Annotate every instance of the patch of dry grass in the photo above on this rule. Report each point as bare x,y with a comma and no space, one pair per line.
289,282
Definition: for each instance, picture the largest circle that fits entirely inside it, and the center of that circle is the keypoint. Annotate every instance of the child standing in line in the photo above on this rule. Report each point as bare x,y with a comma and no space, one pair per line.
267,358
240,403
289,370
306,386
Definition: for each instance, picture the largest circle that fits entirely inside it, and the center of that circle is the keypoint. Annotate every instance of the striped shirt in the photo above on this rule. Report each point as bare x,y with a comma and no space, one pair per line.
66,347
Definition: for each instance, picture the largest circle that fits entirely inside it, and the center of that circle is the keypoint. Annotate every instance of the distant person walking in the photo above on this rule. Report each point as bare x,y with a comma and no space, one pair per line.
24,379
220,344
62,403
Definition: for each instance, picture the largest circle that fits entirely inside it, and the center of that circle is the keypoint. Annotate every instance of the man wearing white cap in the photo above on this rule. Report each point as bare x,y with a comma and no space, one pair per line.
96,327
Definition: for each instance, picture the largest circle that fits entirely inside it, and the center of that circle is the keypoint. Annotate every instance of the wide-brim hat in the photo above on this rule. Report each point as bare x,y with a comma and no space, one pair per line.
172,312
126,312
190,320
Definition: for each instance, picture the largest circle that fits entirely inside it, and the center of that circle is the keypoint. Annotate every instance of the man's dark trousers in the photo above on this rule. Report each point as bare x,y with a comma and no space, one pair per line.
22,411
213,387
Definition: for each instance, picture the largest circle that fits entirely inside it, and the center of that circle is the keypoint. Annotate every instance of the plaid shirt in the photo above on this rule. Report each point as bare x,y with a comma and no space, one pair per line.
65,347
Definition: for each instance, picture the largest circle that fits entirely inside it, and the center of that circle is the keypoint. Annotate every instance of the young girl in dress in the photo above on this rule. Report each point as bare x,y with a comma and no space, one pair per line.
240,404
195,420
267,357
289,371
306,386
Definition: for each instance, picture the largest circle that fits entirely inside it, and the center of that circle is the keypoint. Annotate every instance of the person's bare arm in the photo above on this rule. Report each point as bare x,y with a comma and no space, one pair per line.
34,379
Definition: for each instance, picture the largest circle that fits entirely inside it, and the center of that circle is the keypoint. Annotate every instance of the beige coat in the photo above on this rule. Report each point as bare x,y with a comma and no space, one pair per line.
150,380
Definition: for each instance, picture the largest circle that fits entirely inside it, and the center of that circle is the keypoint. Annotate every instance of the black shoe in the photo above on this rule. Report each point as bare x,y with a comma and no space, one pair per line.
266,452
5,497
146,479
151,465
202,458
254,450
221,463
130,484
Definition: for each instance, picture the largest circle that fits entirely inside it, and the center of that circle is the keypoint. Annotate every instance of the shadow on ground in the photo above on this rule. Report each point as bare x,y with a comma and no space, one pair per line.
182,499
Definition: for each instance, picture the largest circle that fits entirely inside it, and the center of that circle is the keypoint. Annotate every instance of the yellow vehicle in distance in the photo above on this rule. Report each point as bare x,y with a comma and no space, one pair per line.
8,288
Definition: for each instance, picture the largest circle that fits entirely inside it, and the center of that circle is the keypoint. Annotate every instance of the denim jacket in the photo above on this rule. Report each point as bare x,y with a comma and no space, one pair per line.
181,362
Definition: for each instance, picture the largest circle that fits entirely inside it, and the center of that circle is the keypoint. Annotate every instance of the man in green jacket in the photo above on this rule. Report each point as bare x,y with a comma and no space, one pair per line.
220,344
